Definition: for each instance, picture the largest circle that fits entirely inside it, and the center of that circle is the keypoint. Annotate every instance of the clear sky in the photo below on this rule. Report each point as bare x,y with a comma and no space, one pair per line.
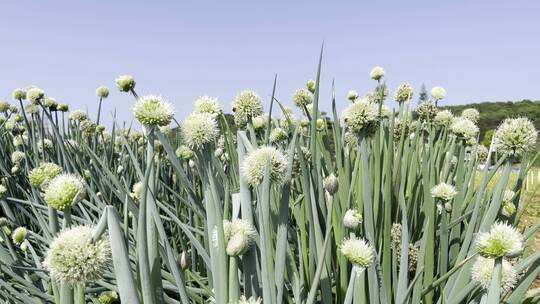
477,50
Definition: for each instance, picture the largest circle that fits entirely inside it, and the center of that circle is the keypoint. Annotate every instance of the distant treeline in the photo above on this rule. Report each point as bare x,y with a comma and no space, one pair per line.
493,113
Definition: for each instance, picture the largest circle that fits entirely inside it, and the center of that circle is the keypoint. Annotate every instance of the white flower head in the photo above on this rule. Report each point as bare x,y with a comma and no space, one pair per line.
377,73
278,135
438,93
361,116
310,85
245,105
443,118
427,111
39,177
207,104
463,128
254,165
199,129
74,257
444,192
18,157
502,240
78,115
19,94
357,251
404,93
482,272
515,137
125,83
64,191
352,219
152,110
102,92
260,122
331,184
471,114
302,98
33,95
241,236
352,95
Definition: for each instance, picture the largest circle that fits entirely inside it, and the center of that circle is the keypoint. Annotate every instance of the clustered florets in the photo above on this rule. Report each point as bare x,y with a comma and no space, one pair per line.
153,110
515,137
199,129
254,165
73,256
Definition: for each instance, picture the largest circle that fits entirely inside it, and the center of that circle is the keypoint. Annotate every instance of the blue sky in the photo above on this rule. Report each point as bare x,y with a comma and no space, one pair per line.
477,50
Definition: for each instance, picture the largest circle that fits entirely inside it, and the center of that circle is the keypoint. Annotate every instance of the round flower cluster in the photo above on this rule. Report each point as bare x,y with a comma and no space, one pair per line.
404,93
361,116
310,85
239,235
102,92
443,118
137,191
260,122
50,103
34,95
302,98
4,106
471,114
427,111
254,165
331,184
464,128
78,115
153,110
247,104
125,83
443,192
482,273
73,256
207,104
515,137
63,107
64,191
377,73
357,251
184,152
352,219
31,109
39,177
199,129
88,127
17,157
352,95
502,240
278,135
19,94
438,93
